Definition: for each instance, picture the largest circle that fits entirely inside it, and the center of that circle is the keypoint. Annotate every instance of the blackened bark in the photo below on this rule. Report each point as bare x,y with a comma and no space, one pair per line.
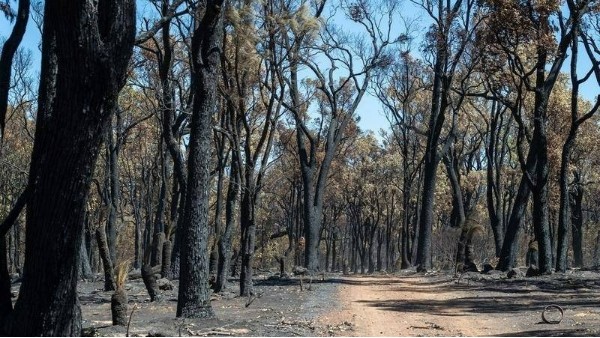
457,217
85,52
107,263
170,137
576,121
159,217
149,278
118,307
442,80
577,221
545,79
226,238
564,215
380,241
432,158
157,249
248,239
494,157
6,59
334,253
194,291
166,258
423,261
112,188
86,268
137,259
508,255
539,146
175,255
7,223
5,293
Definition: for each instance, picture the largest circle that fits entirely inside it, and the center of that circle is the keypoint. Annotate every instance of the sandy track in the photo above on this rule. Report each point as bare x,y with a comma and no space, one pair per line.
437,306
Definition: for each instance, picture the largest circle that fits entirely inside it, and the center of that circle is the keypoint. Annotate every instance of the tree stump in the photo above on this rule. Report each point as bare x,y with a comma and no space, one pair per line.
118,307
149,278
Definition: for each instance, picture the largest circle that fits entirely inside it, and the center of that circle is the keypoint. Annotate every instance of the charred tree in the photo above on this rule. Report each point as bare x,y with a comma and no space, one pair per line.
576,197
447,49
576,120
85,52
194,291
9,49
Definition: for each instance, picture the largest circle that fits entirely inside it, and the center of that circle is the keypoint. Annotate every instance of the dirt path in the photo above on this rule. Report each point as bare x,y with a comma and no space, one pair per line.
439,306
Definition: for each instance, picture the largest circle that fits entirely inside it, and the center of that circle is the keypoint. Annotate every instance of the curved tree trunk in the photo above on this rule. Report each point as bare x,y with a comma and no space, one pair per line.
508,255
107,263
9,49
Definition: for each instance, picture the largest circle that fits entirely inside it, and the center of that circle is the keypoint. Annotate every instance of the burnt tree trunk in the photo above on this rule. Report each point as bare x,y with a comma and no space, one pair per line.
9,49
494,157
118,307
5,292
508,254
225,239
85,52
149,278
431,161
539,146
248,241
107,263
575,196
166,258
86,268
194,291
577,221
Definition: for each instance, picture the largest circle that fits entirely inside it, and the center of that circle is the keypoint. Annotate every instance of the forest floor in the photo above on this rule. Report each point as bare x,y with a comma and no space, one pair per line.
404,304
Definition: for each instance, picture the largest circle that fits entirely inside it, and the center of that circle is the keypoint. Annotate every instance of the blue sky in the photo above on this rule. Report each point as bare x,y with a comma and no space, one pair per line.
370,110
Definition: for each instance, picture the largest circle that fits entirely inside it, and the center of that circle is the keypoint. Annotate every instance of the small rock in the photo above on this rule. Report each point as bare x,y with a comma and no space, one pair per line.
165,284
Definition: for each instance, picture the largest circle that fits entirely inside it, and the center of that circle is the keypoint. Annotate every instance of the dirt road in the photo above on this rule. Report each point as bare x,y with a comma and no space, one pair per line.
420,305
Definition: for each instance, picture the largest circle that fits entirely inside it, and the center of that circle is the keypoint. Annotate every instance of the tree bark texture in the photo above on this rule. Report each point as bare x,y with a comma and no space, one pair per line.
194,291
85,51
508,254
577,221
225,239
107,263
118,307
149,278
